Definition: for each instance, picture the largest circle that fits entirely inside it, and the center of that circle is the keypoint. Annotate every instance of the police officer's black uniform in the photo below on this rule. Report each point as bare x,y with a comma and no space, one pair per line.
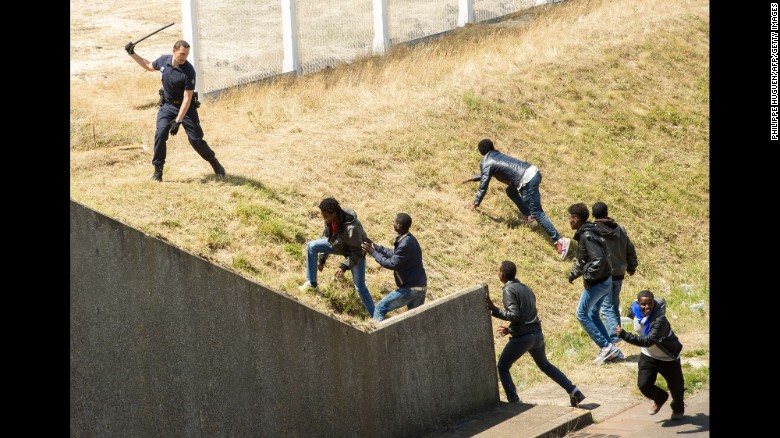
174,81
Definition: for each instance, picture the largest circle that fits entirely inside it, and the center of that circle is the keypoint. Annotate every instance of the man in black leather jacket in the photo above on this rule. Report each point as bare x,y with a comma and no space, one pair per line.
592,264
660,353
522,181
526,330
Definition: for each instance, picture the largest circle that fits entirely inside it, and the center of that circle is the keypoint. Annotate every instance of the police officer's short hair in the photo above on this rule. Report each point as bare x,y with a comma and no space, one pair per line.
509,269
181,43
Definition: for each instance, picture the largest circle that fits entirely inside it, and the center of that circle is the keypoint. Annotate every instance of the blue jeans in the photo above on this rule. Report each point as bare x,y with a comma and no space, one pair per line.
588,312
516,347
403,296
315,247
529,201
610,309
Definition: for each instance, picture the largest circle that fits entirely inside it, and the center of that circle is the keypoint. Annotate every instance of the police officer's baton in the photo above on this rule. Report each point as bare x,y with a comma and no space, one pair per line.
164,27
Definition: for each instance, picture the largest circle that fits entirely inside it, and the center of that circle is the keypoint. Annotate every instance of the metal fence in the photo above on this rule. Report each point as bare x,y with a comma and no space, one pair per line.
236,42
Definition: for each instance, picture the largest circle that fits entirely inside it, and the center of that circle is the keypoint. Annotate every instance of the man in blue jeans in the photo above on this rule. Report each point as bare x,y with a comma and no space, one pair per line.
343,235
592,264
526,330
405,259
522,181
622,257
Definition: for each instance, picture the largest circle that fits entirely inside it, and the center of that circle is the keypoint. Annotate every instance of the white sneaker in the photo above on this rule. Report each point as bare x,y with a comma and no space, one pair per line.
306,287
562,246
606,354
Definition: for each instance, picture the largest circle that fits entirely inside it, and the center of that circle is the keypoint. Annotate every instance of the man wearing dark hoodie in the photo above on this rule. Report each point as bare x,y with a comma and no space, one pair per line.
660,353
622,257
343,235
592,264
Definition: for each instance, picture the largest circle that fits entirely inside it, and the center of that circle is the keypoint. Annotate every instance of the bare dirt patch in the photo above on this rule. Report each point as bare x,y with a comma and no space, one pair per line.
99,30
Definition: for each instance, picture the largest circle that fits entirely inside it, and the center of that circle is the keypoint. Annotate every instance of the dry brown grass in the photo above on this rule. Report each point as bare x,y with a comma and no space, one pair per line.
608,98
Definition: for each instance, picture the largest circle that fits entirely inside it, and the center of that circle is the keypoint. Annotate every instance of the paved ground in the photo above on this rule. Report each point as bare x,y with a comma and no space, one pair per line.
607,412
635,422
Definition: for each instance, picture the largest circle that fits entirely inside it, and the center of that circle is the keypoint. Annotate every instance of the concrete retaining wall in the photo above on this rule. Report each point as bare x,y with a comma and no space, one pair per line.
164,343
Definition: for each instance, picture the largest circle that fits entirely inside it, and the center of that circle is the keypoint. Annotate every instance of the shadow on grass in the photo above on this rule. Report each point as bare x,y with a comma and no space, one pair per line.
240,181
517,224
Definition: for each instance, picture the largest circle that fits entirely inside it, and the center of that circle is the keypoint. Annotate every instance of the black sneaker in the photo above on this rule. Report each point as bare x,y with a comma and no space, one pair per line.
576,397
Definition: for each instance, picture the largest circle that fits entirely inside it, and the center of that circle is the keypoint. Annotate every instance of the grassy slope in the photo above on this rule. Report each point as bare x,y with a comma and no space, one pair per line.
610,99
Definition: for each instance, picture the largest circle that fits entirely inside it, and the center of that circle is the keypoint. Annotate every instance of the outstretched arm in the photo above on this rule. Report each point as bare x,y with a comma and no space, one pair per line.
130,48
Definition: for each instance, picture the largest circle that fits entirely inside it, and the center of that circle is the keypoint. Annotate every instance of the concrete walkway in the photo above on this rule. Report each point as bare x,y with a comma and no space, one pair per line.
607,412
635,422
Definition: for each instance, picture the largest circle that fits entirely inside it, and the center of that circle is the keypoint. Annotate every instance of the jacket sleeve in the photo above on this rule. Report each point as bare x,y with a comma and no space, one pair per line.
511,310
598,259
576,269
387,252
394,259
353,253
486,171
658,329
631,260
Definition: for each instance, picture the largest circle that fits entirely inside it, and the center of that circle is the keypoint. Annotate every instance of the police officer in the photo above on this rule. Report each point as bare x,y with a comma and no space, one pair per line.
177,105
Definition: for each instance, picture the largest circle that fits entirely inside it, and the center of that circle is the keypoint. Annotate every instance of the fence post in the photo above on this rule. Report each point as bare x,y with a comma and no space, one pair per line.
189,28
465,12
292,61
381,38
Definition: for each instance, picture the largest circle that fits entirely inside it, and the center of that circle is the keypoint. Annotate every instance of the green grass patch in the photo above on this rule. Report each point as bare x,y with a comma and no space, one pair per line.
242,263
696,378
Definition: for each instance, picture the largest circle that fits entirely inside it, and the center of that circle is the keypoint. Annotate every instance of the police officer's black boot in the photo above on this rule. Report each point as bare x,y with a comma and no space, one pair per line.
157,175
218,169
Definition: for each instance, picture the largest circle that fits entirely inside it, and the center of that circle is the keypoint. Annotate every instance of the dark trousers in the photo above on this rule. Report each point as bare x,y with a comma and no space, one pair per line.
191,124
671,370
515,348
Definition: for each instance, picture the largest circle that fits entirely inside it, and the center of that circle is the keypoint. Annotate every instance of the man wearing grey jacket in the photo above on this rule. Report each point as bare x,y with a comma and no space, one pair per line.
622,257
526,330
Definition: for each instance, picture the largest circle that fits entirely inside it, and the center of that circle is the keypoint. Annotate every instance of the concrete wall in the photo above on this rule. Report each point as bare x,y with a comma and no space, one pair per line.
164,343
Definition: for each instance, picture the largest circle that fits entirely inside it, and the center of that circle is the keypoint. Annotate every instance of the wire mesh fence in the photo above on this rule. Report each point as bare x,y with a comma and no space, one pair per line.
242,41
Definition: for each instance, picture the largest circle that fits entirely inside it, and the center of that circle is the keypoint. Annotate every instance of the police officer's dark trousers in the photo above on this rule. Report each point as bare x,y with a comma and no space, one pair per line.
191,124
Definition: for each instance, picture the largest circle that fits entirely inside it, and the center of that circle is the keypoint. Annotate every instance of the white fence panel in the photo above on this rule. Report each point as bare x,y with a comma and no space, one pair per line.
242,41
334,31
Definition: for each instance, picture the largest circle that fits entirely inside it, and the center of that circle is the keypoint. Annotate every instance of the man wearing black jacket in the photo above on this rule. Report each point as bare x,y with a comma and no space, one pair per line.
526,330
660,353
522,181
592,264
